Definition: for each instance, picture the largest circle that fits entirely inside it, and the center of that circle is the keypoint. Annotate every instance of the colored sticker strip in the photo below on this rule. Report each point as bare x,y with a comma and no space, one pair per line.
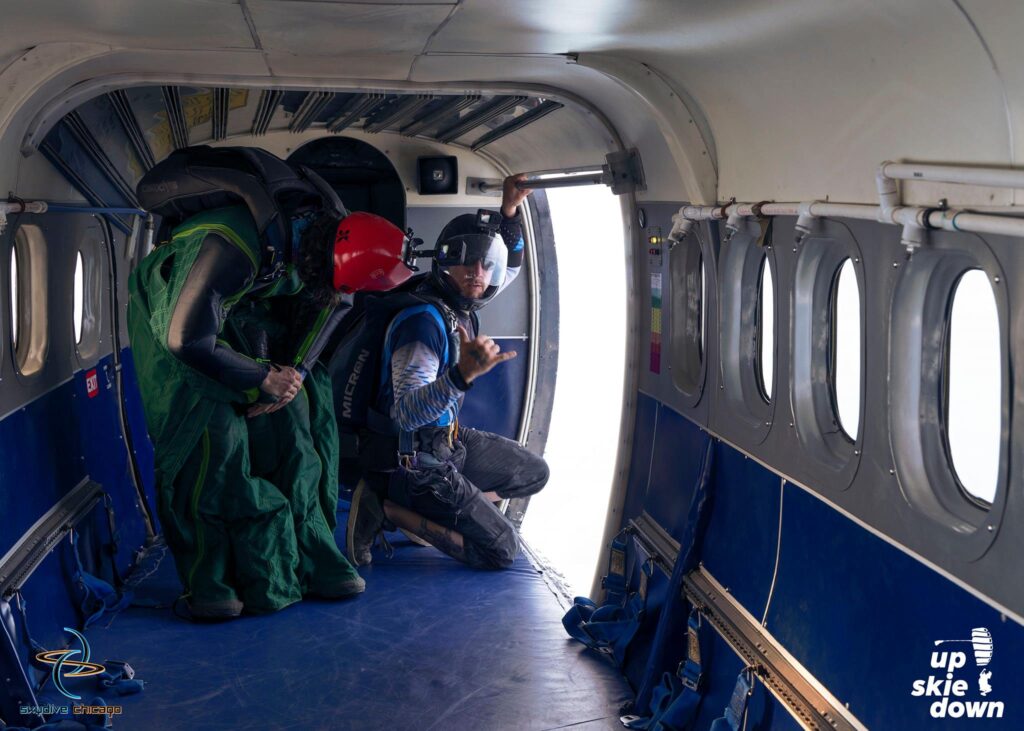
656,323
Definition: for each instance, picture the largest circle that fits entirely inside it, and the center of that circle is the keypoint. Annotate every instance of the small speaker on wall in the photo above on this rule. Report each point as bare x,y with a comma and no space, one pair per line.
438,175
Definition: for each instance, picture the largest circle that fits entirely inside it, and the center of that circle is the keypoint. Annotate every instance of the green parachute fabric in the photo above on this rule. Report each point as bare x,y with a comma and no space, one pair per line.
247,505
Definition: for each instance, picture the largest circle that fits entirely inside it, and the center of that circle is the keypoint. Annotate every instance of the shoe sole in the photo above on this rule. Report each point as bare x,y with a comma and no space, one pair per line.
416,539
350,529
349,589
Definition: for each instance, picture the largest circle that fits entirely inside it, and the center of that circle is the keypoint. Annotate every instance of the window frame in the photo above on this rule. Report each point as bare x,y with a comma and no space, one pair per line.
30,342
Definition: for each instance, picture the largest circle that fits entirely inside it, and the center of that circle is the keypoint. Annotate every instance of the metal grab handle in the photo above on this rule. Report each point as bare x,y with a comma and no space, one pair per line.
623,173
562,181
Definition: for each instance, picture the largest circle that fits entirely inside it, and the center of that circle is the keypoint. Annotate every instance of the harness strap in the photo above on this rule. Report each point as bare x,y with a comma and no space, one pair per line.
675,702
737,708
610,628
26,634
103,597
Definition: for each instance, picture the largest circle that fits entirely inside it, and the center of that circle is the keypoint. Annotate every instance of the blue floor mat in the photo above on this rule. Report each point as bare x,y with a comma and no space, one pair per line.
431,644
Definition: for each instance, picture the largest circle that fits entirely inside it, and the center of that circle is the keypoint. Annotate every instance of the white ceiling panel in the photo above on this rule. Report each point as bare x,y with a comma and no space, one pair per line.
390,67
184,24
342,29
803,97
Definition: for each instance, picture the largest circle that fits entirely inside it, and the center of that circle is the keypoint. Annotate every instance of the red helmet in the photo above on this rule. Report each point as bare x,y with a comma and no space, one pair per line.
370,254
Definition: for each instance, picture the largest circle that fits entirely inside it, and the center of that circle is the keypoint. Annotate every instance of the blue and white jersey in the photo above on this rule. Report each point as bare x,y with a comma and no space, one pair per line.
417,388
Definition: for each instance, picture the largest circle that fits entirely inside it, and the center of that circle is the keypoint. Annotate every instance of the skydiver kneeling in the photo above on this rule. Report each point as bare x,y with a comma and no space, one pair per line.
445,492
246,446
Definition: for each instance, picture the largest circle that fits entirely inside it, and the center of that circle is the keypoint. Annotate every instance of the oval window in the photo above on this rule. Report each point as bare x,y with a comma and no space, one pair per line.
78,296
974,386
14,297
766,329
846,355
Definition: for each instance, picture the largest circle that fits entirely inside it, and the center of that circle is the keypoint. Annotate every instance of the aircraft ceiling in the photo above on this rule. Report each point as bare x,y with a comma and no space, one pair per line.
793,99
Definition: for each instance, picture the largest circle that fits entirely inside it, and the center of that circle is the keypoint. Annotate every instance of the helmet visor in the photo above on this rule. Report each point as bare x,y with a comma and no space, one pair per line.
474,261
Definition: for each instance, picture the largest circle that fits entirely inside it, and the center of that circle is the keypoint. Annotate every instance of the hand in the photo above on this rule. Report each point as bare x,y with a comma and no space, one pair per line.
260,409
281,383
479,355
511,196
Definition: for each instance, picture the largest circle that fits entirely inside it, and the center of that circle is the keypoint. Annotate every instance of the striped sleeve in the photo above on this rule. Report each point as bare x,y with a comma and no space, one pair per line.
421,397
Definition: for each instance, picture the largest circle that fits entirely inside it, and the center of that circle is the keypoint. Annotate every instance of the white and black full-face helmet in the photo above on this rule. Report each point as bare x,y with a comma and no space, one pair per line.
470,260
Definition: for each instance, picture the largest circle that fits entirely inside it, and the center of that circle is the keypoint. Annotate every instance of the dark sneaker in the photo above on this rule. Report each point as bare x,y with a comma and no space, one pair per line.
365,520
343,589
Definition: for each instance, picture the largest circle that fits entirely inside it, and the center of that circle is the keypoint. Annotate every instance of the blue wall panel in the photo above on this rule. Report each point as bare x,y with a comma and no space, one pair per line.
140,437
742,537
495,403
639,465
863,617
46,449
105,457
678,451
40,461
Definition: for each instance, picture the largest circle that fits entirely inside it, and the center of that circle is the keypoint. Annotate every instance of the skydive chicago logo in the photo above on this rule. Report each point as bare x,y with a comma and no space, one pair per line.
64,664
950,685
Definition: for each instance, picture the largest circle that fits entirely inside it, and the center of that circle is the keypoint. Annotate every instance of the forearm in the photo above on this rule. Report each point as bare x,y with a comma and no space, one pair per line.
221,363
511,231
319,334
219,272
420,396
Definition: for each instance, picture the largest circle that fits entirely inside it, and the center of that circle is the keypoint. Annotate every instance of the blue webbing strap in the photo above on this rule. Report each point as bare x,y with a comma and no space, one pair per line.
97,592
610,628
666,634
34,647
614,583
674,703
737,708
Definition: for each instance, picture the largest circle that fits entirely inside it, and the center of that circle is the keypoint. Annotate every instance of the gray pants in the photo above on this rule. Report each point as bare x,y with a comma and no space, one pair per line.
446,485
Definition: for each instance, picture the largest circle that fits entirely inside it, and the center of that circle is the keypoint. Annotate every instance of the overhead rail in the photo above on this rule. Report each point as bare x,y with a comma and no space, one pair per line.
623,172
77,127
176,116
265,108
480,116
448,109
362,105
541,110
221,108
915,220
440,117
403,109
310,108
136,137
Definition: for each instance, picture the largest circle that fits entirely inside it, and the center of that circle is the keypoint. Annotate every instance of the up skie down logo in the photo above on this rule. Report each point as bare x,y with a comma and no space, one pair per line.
65,664
946,686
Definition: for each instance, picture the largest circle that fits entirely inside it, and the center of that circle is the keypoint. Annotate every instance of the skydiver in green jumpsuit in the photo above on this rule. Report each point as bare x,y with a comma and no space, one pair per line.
240,414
